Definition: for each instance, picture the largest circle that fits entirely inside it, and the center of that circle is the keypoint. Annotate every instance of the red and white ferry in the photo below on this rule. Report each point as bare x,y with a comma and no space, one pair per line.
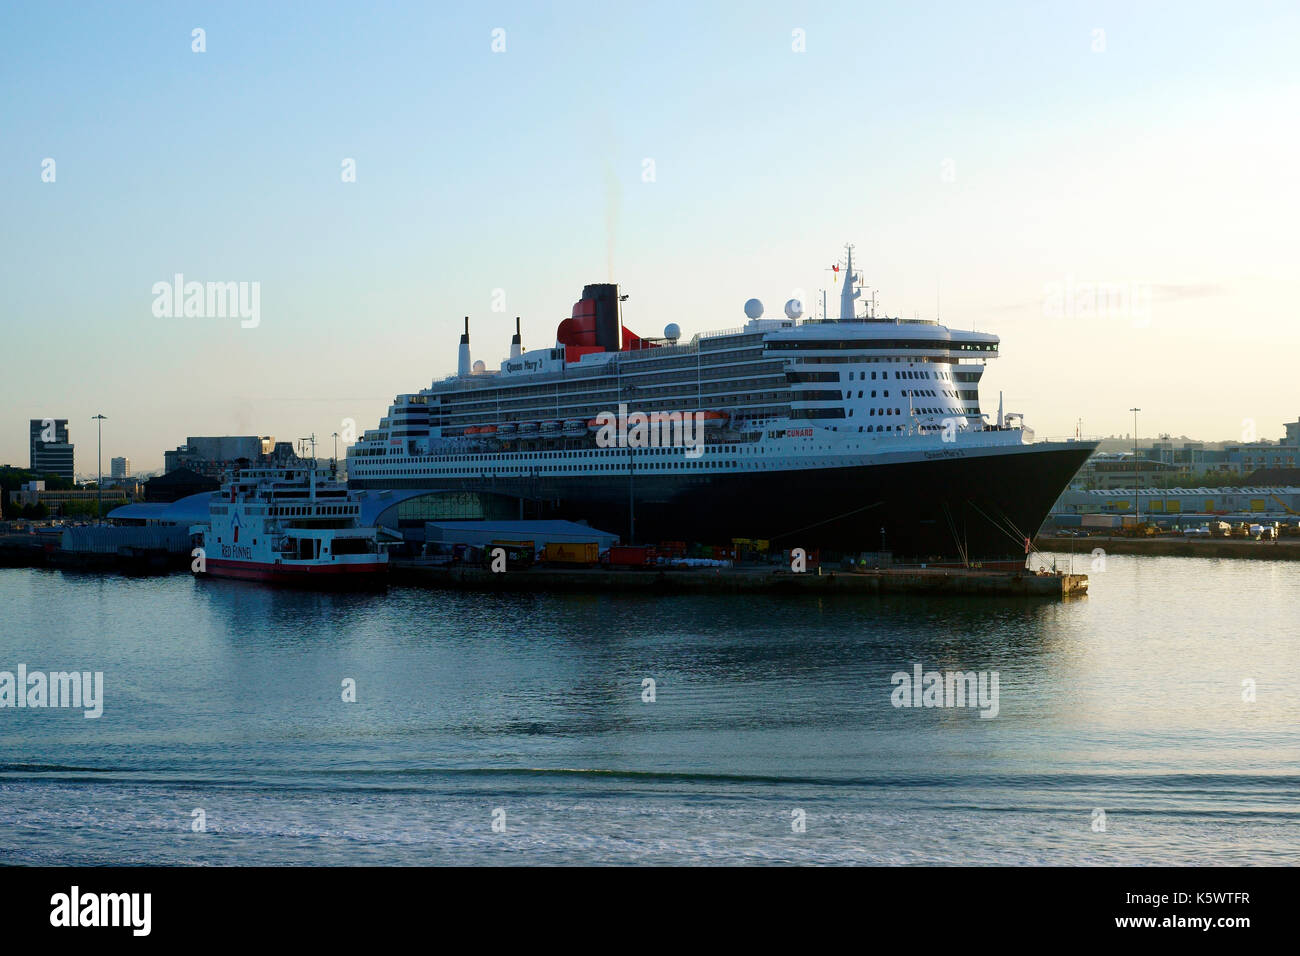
294,525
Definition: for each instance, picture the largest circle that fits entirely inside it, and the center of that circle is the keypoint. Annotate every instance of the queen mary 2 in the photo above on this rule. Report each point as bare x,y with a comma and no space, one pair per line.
861,433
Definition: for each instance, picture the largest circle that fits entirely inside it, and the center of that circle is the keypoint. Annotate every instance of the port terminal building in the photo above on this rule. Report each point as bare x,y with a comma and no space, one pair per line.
1276,502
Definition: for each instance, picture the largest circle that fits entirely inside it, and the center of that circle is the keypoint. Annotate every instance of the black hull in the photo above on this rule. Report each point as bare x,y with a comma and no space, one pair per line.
980,504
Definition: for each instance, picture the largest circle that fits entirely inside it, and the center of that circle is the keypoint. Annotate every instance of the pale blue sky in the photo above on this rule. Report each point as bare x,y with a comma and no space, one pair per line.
1165,163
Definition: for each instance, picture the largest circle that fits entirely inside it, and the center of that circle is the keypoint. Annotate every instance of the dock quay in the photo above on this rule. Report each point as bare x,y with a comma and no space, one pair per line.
761,580
1174,546
125,550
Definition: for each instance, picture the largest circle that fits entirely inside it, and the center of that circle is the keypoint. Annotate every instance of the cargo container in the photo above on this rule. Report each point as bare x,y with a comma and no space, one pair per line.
567,552
631,556
519,554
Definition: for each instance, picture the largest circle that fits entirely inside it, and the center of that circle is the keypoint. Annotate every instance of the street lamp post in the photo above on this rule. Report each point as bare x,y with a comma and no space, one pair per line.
1137,481
99,482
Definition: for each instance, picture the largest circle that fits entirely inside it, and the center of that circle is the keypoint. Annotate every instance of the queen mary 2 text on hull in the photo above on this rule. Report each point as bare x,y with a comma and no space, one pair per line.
847,434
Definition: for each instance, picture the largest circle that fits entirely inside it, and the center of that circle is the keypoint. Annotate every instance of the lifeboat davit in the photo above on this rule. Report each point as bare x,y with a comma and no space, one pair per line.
713,419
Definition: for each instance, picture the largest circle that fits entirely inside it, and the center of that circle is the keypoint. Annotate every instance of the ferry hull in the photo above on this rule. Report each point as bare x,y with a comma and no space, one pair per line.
976,507
331,576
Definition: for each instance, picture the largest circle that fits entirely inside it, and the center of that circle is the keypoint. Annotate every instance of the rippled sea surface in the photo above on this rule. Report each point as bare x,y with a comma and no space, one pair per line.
1122,736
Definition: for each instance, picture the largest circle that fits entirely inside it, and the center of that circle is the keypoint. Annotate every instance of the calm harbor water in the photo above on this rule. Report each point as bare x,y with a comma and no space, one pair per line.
227,698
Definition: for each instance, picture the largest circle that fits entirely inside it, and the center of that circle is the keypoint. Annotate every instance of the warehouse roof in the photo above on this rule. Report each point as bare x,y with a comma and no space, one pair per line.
192,509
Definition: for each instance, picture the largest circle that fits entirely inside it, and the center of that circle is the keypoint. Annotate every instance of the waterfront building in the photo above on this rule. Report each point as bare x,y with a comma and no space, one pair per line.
1118,470
35,492
50,451
1157,503
217,457
177,484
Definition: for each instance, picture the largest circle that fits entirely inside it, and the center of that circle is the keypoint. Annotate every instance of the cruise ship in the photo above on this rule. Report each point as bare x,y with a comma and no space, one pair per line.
857,434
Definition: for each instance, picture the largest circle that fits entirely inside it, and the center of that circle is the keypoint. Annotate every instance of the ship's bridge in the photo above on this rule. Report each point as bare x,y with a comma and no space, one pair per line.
883,335
883,375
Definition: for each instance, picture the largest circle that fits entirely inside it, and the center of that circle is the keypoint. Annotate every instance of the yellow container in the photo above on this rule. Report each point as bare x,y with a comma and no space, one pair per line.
565,552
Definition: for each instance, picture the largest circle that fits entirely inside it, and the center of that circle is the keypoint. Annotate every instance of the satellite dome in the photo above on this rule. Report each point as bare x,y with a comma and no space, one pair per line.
480,366
753,308
793,309
672,331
